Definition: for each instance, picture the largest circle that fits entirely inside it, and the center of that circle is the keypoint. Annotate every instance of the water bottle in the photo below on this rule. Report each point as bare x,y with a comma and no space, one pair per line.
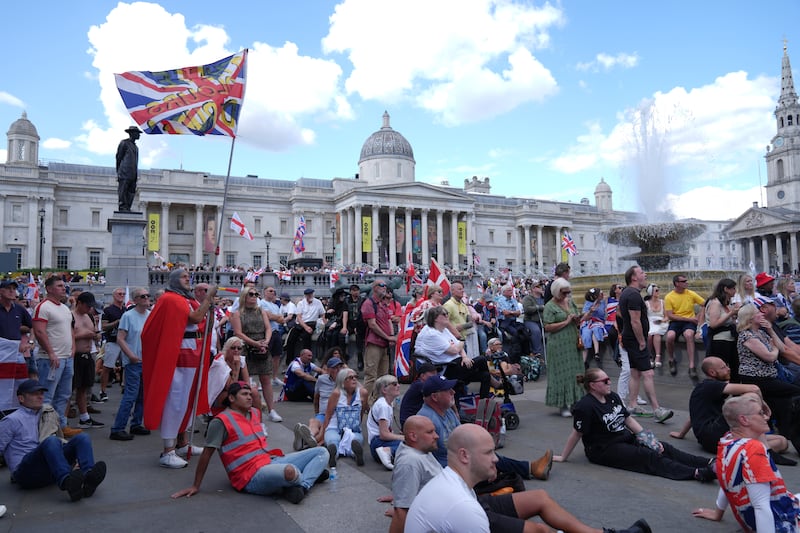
333,480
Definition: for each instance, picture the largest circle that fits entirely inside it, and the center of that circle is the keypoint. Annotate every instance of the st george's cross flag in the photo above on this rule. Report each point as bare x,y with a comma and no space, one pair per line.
436,276
238,226
201,100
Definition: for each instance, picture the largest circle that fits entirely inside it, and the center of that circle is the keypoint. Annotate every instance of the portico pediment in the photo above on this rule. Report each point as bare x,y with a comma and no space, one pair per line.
419,195
759,220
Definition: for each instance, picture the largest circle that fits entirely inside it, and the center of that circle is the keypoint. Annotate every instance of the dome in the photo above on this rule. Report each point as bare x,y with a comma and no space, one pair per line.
386,142
602,187
23,126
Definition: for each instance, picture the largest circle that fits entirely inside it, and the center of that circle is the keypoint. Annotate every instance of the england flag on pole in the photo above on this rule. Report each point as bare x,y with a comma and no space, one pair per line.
436,276
238,226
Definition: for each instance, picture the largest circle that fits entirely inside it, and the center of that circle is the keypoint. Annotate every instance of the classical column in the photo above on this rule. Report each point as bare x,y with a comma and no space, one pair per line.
793,251
30,256
539,247
3,213
198,234
559,233
526,246
376,230
408,258
392,238
440,256
454,240
426,260
164,223
517,252
342,236
358,230
779,251
751,252
765,253
49,217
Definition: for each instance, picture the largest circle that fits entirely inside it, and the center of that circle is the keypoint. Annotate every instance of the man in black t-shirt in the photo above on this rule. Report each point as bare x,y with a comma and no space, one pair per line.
355,325
705,410
635,327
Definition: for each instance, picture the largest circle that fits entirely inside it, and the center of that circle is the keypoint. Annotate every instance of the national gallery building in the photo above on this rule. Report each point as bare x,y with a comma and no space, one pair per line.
54,215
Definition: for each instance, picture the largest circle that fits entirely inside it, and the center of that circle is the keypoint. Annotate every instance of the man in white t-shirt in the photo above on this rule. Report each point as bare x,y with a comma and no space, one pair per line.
52,325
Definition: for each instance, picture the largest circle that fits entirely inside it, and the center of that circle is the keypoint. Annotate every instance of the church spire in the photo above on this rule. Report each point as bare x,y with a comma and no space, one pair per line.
788,94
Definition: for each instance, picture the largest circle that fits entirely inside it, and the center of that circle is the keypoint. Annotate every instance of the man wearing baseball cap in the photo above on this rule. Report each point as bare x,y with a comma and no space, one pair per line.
35,462
313,434
439,401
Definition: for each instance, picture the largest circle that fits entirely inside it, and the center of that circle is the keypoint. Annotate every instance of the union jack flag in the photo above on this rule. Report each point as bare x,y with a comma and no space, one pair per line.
568,244
299,246
402,351
201,100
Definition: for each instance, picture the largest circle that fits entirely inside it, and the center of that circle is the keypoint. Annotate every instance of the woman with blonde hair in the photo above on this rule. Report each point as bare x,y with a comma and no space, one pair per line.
346,405
745,290
383,440
658,325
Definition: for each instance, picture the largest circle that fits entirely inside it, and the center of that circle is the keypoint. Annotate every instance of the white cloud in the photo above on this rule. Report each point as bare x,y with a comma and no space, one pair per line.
448,68
273,113
606,62
714,132
724,204
56,144
10,99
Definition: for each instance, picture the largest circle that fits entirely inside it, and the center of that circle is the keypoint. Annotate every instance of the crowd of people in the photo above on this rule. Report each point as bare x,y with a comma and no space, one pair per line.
338,353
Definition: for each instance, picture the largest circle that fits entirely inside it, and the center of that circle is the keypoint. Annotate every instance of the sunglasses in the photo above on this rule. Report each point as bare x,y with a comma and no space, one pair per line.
237,347
607,381
381,285
143,296
252,294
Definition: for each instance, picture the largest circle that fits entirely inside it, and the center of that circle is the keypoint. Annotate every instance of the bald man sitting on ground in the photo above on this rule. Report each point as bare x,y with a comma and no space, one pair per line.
471,459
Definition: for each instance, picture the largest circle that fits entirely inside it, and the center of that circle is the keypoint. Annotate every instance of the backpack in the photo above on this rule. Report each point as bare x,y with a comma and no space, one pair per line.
531,367
485,412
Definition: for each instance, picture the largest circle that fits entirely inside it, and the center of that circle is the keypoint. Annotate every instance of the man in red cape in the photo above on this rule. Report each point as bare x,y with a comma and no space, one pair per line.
171,352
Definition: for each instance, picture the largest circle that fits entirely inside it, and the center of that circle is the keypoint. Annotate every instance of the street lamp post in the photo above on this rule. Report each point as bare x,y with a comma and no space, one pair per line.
472,249
41,237
268,241
333,244
378,242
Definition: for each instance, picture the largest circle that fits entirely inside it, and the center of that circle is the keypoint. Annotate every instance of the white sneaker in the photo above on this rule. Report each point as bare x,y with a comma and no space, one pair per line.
184,450
385,455
264,428
2,510
171,460
276,382
662,415
640,401
566,413
274,416
303,438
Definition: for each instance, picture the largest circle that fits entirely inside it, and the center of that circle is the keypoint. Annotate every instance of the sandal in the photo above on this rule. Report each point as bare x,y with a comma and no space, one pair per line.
658,361
673,368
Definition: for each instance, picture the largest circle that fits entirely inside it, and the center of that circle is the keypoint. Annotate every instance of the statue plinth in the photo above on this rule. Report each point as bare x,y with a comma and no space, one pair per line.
127,264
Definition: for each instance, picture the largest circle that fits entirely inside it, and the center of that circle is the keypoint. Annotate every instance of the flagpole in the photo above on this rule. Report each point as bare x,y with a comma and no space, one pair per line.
206,344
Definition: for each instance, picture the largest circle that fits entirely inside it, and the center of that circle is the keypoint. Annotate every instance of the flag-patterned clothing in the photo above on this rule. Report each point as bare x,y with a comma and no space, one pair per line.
744,461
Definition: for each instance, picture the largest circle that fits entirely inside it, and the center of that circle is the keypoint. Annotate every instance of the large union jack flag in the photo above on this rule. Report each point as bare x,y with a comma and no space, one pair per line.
202,100
299,245
568,244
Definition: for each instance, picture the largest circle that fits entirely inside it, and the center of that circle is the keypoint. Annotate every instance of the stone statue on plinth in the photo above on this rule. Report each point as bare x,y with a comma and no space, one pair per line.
127,168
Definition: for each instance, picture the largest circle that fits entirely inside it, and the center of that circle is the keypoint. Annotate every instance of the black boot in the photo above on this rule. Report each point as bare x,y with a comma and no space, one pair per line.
640,526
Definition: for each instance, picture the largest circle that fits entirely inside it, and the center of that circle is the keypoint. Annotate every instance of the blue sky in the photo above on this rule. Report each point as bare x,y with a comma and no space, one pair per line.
540,97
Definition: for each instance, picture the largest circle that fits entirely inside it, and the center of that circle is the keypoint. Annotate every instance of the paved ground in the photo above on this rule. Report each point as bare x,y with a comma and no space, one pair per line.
135,495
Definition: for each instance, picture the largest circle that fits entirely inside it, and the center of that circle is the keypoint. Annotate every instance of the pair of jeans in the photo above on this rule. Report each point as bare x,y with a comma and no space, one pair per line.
377,442
270,479
59,389
131,399
334,436
52,461
535,330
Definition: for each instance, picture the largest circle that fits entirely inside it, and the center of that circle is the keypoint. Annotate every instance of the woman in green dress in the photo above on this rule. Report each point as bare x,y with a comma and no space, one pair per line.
564,362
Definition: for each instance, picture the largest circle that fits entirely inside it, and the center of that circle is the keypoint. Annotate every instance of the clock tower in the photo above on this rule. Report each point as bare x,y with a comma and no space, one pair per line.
783,155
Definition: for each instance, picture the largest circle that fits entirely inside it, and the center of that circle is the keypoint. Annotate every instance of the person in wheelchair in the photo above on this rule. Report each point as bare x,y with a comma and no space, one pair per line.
437,344
508,310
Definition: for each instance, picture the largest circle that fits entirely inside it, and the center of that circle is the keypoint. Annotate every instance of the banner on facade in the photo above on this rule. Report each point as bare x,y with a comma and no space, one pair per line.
366,234
153,231
416,236
400,236
432,237
209,233
462,238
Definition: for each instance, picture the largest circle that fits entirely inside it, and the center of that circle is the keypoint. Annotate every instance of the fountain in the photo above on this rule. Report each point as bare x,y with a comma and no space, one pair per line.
659,242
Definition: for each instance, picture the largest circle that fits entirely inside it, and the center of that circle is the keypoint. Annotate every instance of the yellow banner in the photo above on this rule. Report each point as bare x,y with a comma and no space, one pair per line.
153,231
462,238
366,234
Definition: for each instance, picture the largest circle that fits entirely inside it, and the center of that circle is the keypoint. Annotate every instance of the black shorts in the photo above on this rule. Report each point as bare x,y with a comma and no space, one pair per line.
679,326
638,359
83,376
501,513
